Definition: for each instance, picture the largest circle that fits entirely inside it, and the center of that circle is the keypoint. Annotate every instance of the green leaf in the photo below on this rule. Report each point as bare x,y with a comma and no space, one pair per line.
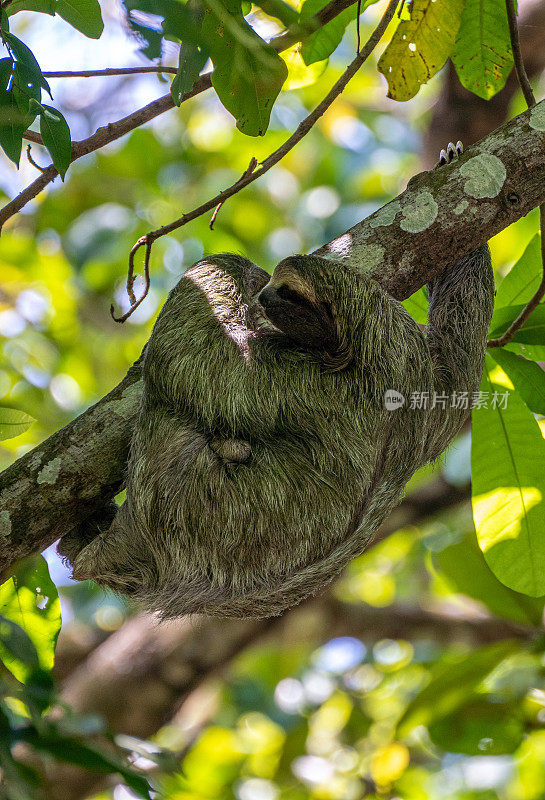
507,457
25,56
84,15
43,6
522,280
420,46
479,727
533,330
6,71
320,44
482,54
12,421
526,376
56,137
193,54
417,306
12,127
465,570
452,685
30,600
280,10
192,60
73,751
248,73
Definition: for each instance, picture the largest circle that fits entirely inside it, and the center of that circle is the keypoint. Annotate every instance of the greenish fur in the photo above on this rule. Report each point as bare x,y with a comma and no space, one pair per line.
259,468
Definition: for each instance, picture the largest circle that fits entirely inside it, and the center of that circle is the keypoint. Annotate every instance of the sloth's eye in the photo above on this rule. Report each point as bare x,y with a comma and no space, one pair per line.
291,296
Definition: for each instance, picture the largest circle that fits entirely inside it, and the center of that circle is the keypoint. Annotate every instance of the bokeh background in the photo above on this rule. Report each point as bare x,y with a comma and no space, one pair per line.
304,707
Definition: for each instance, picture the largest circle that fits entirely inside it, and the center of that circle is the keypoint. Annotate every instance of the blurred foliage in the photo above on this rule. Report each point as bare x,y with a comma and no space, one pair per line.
418,718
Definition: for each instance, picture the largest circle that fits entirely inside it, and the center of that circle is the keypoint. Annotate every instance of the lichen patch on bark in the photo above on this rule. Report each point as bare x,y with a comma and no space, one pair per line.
419,213
50,472
485,175
5,524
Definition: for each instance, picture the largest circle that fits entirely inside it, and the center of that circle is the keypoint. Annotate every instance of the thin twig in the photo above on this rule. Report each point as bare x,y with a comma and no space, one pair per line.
109,133
148,241
277,155
108,72
252,165
517,54
358,13
31,160
529,96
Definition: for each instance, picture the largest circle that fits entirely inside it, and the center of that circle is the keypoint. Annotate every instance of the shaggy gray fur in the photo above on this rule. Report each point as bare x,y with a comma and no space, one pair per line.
263,461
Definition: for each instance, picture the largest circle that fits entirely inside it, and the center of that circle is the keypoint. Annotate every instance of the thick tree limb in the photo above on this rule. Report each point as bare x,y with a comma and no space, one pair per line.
441,216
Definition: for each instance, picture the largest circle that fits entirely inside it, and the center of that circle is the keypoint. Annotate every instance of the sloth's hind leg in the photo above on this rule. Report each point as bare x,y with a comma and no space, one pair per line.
83,534
108,556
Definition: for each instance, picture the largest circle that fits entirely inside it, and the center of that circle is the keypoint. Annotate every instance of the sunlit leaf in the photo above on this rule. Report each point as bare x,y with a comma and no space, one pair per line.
507,457
417,306
13,422
30,600
420,46
482,55
533,330
464,567
522,280
526,376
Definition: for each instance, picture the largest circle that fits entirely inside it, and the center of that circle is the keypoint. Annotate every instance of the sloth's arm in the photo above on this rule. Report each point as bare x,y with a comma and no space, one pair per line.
461,305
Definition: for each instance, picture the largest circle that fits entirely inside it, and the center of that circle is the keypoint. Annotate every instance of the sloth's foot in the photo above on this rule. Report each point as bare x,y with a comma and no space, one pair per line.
451,152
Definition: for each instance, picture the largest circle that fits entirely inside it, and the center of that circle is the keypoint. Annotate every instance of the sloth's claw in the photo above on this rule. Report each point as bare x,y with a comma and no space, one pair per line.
451,152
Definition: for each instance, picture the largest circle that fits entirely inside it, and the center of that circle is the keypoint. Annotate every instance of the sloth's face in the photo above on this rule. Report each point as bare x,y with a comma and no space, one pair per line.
291,305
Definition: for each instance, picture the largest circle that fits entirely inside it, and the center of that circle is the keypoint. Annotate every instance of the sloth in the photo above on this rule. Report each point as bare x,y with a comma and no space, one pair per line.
266,454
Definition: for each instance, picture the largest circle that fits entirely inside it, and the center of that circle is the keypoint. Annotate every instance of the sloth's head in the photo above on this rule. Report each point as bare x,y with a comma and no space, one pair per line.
303,302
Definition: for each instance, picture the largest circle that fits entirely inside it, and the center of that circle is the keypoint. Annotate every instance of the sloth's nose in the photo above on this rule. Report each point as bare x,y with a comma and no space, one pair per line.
268,296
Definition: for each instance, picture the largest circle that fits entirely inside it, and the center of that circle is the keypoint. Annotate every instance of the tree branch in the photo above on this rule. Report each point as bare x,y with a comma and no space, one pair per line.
115,130
251,175
437,220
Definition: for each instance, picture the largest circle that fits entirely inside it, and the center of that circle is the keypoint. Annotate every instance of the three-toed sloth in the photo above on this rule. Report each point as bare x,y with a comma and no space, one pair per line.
265,457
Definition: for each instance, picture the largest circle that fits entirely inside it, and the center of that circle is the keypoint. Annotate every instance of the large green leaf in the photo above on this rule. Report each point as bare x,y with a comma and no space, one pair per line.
43,6
84,15
522,280
248,73
479,727
12,421
526,376
420,46
482,55
533,330
30,600
465,570
452,685
507,457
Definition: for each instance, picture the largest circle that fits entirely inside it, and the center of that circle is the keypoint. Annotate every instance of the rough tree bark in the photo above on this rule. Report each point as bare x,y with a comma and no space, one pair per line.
440,217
